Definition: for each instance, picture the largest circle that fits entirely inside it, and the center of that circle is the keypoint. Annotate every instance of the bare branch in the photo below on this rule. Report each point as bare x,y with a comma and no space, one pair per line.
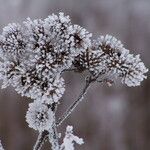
42,137
76,102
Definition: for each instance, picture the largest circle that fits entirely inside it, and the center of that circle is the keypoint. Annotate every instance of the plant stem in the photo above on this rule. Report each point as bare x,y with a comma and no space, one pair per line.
76,102
53,138
42,137
51,134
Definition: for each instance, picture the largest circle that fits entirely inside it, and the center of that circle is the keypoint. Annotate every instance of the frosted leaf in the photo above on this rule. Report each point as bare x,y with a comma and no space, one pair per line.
69,139
39,116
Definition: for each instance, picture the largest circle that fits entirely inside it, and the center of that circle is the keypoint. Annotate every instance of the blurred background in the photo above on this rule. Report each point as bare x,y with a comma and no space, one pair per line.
109,118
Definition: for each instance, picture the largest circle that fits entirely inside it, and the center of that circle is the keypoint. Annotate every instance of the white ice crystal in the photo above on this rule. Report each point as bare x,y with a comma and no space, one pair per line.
39,116
69,139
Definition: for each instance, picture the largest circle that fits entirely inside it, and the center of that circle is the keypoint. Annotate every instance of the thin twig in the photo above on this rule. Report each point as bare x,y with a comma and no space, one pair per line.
76,102
69,70
42,137
53,138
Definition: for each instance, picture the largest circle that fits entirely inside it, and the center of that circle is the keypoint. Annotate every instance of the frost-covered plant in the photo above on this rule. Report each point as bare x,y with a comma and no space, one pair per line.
34,56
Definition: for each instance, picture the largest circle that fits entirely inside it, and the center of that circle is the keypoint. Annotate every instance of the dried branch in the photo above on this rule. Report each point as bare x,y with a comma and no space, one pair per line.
42,137
76,102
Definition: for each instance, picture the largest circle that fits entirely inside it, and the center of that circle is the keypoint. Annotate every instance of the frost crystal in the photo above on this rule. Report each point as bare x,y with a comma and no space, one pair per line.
108,55
39,116
69,139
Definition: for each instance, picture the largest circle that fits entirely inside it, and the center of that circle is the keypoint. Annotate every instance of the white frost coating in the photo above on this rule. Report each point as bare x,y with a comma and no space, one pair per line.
39,116
1,147
69,139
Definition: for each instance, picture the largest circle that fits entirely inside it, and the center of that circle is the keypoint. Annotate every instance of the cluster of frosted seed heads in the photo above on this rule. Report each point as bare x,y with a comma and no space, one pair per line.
34,55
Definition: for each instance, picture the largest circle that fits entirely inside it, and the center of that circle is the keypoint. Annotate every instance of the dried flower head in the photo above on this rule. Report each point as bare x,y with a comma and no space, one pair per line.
39,116
55,42
29,83
132,70
12,41
47,90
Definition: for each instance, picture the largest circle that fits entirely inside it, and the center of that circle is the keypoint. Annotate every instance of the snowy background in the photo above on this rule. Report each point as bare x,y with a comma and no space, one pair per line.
116,118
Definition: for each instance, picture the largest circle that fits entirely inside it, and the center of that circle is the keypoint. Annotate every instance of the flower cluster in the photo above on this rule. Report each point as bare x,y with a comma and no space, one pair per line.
34,55
69,139
108,56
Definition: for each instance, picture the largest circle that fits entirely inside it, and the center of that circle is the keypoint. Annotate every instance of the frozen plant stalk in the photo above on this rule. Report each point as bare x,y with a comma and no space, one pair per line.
34,57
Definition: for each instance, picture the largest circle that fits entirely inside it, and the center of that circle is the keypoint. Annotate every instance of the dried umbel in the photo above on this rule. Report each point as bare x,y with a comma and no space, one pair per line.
34,56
